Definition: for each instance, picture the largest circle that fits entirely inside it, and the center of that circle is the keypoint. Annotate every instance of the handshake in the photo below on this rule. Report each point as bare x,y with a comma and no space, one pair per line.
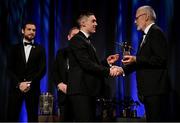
115,71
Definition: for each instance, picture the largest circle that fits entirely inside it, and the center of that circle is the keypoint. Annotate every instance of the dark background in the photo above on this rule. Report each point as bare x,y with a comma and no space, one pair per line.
115,20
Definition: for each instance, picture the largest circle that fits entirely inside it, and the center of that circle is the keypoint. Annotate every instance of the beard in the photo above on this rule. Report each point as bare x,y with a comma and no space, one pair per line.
29,37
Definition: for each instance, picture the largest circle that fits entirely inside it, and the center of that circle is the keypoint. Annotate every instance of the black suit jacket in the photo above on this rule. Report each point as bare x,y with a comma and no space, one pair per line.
86,72
33,70
60,66
60,72
152,64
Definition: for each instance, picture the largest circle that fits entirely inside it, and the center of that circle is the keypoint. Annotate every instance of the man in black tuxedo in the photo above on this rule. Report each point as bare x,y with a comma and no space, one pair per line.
151,65
60,74
61,68
26,67
86,73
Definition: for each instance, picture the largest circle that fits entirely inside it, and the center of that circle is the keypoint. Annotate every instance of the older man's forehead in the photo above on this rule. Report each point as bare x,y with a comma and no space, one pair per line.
140,11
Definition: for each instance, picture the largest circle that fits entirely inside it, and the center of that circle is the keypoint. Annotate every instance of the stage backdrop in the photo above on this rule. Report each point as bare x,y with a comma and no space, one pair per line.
115,20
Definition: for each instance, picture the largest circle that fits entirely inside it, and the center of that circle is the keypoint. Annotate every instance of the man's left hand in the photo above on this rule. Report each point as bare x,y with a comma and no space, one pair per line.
128,59
112,58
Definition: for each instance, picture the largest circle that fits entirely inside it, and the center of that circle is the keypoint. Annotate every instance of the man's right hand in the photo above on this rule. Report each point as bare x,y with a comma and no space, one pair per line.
25,86
62,87
116,71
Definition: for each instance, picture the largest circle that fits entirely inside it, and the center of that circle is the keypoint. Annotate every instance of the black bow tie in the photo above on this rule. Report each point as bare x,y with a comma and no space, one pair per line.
28,43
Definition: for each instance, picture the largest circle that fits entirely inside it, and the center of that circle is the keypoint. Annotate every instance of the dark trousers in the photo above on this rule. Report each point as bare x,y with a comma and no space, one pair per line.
83,108
65,111
157,108
15,103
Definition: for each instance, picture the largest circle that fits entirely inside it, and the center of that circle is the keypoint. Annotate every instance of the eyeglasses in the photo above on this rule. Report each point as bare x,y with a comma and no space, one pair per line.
140,16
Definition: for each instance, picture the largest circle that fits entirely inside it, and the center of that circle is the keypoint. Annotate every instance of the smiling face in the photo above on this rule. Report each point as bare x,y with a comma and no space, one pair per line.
88,23
29,31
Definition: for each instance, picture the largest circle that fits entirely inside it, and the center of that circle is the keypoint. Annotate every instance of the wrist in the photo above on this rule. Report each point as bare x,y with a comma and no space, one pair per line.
110,65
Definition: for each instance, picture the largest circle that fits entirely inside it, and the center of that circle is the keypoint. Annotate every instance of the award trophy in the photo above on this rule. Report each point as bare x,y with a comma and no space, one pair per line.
46,104
126,48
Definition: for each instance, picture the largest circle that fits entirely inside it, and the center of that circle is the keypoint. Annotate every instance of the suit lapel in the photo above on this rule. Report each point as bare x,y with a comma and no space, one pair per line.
94,52
23,53
90,46
144,43
146,39
32,53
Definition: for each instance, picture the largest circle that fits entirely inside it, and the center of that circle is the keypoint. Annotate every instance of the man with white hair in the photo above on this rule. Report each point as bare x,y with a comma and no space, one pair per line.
151,65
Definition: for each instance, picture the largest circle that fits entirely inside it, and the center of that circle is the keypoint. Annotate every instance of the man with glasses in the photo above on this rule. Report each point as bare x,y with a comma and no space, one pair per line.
151,65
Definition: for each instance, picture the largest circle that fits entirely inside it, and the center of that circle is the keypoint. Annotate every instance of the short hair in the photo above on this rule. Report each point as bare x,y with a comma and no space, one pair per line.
83,15
28,22
150,11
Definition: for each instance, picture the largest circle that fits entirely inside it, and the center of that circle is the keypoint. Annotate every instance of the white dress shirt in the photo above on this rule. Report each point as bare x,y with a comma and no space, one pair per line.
146,31
27,49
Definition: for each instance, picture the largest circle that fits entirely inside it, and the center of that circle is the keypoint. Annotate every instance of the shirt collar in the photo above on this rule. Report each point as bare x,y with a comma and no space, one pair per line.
86,34
147,28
